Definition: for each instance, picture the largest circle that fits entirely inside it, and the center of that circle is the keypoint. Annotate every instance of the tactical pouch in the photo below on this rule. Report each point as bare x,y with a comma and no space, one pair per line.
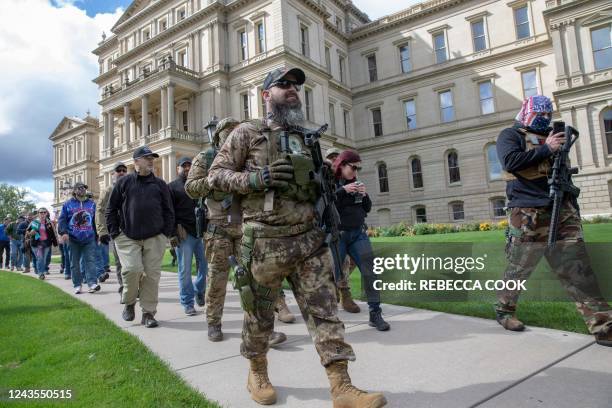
303,188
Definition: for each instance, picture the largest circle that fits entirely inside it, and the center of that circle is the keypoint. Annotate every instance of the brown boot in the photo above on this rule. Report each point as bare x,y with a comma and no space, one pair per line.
345,395
347,301
284,315
509,322
604,339
258,383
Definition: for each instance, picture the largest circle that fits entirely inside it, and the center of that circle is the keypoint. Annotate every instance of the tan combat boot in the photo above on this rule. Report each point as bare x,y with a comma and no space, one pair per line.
345,395
284,315
346,299
509,322
258,383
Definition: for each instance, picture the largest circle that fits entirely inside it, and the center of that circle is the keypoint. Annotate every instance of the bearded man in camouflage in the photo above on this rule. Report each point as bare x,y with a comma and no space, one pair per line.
223,233
281,239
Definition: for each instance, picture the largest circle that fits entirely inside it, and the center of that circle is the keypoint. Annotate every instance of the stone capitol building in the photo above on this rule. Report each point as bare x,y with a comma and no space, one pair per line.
421,94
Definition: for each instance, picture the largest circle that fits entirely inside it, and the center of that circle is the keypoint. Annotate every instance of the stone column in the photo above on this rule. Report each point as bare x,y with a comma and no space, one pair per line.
164,107
558,51
572,48
586,149
171,116
164,167
105,136
198,125
171,166
191,115
111,129
126,122
145,115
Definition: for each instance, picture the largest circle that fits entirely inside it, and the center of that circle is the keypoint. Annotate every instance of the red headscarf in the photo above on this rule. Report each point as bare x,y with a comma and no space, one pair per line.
347,156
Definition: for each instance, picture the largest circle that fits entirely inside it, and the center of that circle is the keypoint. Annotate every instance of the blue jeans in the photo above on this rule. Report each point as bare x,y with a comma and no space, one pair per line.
47,261
185,251
16,254
42,251
104,253
85,252
66,258
100,259
356,243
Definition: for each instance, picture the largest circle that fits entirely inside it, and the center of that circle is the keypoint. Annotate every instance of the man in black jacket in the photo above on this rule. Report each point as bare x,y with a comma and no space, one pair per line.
526,151
139,218
184,240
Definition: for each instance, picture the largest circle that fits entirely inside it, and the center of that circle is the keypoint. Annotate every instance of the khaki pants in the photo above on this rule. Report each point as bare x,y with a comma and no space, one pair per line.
141,269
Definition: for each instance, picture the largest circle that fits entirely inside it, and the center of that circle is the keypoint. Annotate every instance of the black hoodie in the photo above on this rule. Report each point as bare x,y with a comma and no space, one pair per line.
140,207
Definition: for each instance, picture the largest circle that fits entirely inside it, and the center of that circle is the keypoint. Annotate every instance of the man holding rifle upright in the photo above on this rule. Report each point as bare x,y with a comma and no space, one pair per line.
528,152
270,163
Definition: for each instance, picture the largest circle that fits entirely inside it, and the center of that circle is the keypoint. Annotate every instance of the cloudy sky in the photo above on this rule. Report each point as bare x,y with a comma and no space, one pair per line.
47,68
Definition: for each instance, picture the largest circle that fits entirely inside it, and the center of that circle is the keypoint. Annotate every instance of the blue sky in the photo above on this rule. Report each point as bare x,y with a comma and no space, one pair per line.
35,96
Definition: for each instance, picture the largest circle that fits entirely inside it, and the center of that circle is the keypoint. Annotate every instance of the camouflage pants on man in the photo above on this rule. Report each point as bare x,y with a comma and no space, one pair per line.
528,235
222,243
307,264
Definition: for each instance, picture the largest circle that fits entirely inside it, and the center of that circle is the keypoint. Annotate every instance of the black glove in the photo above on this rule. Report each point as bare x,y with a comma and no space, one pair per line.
276,175
105,239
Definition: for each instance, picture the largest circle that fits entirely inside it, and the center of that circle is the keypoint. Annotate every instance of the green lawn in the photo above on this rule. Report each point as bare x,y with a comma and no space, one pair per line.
49,340
560,315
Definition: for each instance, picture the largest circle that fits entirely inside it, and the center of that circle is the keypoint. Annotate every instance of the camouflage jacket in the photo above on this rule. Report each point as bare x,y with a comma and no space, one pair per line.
197,186
249,149
101,209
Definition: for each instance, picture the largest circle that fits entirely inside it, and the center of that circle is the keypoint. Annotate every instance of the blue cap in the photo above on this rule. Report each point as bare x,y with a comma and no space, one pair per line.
184,160
144,151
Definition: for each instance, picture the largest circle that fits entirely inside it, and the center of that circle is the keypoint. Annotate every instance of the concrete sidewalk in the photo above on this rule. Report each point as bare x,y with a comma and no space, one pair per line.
428,359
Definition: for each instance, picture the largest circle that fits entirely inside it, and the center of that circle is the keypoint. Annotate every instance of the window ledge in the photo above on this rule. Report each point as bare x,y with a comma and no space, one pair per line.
457,184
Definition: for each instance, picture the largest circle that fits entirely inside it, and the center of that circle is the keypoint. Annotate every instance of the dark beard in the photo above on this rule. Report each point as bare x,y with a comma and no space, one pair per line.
288,115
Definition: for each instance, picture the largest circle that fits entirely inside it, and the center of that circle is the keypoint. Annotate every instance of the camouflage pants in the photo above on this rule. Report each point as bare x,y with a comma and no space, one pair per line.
347,268
569,261
307,265
219,247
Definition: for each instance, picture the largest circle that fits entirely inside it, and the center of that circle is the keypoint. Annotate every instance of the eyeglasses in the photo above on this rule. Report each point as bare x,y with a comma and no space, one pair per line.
121,171
354,167
284,84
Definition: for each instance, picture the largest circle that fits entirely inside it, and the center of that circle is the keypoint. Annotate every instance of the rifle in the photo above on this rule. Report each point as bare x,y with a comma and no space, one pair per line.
560,183
325,206
201,211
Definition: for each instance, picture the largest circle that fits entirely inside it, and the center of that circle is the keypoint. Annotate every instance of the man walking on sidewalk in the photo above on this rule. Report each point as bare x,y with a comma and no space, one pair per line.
139,218
185,242
120,170
16,238
77,226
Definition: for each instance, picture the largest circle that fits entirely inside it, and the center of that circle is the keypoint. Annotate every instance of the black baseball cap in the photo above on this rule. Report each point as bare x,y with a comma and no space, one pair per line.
184,160
119,164
280,73
144,151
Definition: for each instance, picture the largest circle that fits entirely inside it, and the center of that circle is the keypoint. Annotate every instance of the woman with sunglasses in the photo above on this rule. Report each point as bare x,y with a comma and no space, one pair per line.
353,204
42,236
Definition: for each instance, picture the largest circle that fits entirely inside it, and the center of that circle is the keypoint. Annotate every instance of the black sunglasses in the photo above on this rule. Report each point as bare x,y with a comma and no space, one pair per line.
354,167
285,84
121,170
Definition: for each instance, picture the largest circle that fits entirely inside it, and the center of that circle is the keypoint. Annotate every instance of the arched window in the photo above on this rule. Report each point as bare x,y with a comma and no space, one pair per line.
419,214
456,211
607,119
417,173
454,176
495,168
383,180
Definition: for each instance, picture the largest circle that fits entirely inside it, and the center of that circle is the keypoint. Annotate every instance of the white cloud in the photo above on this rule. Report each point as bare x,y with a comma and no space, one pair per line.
376,9
40,198
41,42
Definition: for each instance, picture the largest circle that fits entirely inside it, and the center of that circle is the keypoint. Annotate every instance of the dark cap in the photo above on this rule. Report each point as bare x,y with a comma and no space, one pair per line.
119,164
280,73
79,184
143,151
184,160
